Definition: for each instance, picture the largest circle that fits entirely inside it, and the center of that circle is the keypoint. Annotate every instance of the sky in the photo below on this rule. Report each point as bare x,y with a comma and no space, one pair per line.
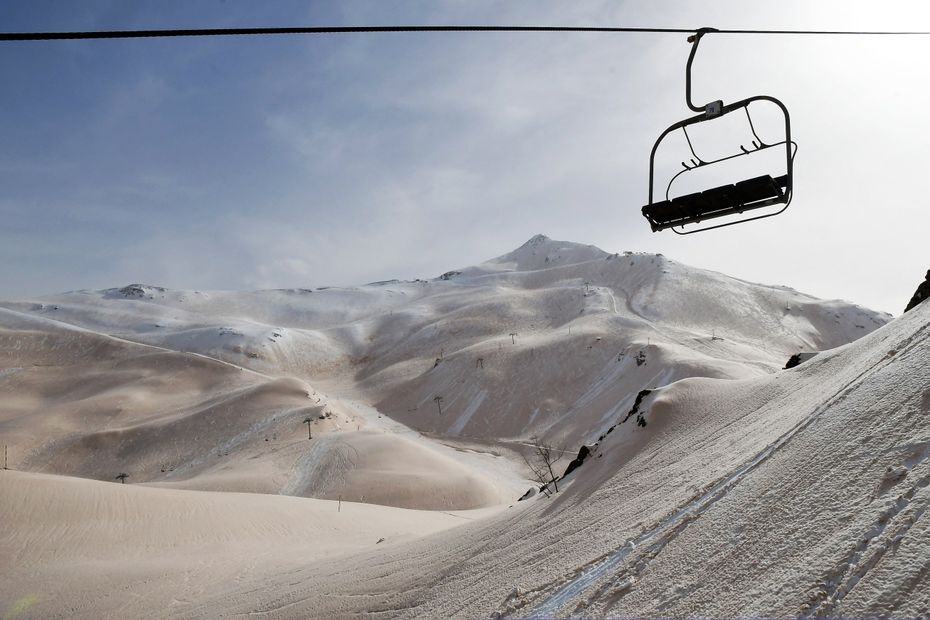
303,161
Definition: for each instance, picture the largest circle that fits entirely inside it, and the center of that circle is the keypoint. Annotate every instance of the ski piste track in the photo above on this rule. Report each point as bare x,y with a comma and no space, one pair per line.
666,529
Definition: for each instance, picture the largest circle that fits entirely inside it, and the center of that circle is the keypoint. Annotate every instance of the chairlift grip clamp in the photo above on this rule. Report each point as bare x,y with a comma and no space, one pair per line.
700,32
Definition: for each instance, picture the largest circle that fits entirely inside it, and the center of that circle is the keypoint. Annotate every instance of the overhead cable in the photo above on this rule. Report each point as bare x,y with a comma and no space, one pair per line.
222,32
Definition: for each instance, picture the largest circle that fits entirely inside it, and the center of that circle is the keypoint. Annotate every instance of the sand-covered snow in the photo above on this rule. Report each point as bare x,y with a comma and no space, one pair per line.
744,490
86,404
514,347
82,548
804,493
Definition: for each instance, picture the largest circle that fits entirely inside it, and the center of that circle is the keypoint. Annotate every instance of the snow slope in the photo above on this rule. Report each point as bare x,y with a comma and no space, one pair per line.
551,339
81,403
798,494
77,548
743,490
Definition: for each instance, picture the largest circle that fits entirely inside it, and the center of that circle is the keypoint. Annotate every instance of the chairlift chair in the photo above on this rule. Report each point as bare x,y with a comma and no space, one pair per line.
726,200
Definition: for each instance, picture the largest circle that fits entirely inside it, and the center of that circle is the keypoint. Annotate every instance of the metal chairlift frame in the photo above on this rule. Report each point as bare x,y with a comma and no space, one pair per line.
712,111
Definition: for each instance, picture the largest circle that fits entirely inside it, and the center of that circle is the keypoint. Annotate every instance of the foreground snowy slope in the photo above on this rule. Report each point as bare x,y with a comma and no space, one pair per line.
81,548
802,493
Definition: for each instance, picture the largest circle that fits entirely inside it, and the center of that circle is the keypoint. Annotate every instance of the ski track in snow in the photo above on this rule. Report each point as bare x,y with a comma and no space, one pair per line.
873,544
597,387
861,560
674,522
307,469
261,426
466,415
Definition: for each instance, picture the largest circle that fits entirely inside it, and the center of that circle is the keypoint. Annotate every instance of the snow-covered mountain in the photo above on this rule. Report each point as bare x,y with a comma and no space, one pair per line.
731,488
552,339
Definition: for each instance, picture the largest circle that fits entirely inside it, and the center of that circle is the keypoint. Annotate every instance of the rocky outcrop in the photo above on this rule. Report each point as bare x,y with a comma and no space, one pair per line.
799,358
922,293
530,493
576,463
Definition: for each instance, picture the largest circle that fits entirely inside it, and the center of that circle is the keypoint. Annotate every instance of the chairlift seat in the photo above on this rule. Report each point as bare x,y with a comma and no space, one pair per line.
723,197
752,193
759,189
692,204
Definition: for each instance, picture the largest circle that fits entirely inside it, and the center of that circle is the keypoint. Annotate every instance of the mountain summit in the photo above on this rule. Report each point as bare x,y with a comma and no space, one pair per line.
541,252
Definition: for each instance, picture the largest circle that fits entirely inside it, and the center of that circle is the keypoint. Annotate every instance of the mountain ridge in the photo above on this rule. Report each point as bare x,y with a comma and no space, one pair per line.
552,339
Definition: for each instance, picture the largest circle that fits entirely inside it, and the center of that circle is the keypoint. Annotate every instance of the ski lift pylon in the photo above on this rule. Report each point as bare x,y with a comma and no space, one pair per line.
726,200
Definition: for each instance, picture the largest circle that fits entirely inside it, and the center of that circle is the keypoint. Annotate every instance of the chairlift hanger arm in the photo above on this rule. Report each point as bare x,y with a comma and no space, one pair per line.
695,40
